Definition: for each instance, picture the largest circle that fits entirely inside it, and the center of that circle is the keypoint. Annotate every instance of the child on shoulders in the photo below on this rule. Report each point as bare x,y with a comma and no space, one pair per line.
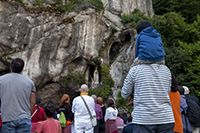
148,48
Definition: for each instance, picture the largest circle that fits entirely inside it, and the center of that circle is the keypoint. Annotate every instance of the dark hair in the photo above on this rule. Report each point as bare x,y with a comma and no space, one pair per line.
38,101
124,114
143,25
130,118
119,114
17,65
174,86
181,90
110,103
50,110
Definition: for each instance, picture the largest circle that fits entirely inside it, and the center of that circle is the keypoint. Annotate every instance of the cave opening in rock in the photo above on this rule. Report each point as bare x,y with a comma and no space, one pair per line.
114,50
116,46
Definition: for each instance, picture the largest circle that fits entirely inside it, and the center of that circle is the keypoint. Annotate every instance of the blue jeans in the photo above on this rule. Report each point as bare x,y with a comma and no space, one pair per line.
17,126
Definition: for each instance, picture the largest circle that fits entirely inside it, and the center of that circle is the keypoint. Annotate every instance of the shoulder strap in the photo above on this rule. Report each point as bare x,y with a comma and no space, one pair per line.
34,113
86,106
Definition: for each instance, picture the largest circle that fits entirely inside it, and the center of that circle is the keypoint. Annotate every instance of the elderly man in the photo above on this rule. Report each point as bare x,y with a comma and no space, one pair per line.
17,93
82,121
196,105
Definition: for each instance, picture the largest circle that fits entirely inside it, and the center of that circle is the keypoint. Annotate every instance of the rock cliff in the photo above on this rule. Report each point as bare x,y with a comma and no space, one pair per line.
54,44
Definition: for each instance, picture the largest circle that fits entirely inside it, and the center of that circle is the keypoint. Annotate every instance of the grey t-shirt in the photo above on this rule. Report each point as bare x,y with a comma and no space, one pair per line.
15,92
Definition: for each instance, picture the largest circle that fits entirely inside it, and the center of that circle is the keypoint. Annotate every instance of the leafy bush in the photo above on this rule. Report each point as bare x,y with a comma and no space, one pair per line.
134,18
74,79
121,103
62,7
108,83
97,3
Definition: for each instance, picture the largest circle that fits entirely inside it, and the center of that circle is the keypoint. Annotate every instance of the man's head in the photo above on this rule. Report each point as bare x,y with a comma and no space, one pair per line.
84,88
50,110
143,25
17,65
181,90
186,90
94,97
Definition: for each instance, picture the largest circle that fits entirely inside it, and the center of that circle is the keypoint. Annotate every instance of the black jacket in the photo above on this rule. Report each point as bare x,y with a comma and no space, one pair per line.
67,110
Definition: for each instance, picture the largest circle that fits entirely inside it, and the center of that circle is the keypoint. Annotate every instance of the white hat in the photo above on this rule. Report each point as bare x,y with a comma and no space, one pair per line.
186,89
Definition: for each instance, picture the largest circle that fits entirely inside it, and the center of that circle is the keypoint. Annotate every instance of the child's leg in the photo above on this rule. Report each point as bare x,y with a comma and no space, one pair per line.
139,62
136,62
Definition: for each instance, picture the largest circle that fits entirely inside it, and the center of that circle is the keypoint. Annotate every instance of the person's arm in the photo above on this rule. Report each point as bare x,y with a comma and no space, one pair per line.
128,86
59,131
32,101
106,115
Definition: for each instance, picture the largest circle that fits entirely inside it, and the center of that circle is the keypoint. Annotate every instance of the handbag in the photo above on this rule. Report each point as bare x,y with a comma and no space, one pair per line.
92,118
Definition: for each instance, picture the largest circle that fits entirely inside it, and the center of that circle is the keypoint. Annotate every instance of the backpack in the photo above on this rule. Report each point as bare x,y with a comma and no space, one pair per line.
62,120
193,112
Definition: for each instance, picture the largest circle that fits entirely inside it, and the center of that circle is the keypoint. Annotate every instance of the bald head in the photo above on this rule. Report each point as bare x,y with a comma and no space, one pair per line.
84,88
99,100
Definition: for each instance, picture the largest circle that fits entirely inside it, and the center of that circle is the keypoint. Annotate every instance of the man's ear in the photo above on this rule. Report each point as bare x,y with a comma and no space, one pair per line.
87,90
80,90
10,69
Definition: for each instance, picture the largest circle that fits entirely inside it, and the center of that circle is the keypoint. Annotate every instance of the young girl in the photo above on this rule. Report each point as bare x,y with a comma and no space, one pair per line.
66,108
110,117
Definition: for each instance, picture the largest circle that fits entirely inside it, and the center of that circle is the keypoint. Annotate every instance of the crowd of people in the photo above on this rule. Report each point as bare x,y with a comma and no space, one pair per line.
161,105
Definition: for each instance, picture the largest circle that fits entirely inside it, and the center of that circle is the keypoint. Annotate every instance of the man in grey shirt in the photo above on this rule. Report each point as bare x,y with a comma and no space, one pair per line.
17,93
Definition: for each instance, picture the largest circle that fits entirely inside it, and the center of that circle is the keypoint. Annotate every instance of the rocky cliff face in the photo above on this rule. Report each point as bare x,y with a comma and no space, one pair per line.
52,44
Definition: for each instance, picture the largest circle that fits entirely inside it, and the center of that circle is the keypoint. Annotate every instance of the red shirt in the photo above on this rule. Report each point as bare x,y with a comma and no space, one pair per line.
49,126
41,114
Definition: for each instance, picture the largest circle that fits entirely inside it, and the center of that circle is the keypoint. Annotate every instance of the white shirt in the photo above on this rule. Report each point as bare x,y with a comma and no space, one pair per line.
111,114
81,115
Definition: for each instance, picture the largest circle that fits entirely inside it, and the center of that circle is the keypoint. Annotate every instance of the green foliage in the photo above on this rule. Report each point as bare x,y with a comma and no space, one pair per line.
20,1
121,102
134,18
108,83
62,7
105,71
173,29
187,8
39,2
113,30
192,50
97,3
74,79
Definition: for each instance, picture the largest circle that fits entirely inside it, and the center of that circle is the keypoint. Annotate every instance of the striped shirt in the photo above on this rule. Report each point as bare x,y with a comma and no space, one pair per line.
151,85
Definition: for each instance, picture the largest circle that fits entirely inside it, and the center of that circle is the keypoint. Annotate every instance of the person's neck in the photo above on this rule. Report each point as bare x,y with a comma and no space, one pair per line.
49,117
